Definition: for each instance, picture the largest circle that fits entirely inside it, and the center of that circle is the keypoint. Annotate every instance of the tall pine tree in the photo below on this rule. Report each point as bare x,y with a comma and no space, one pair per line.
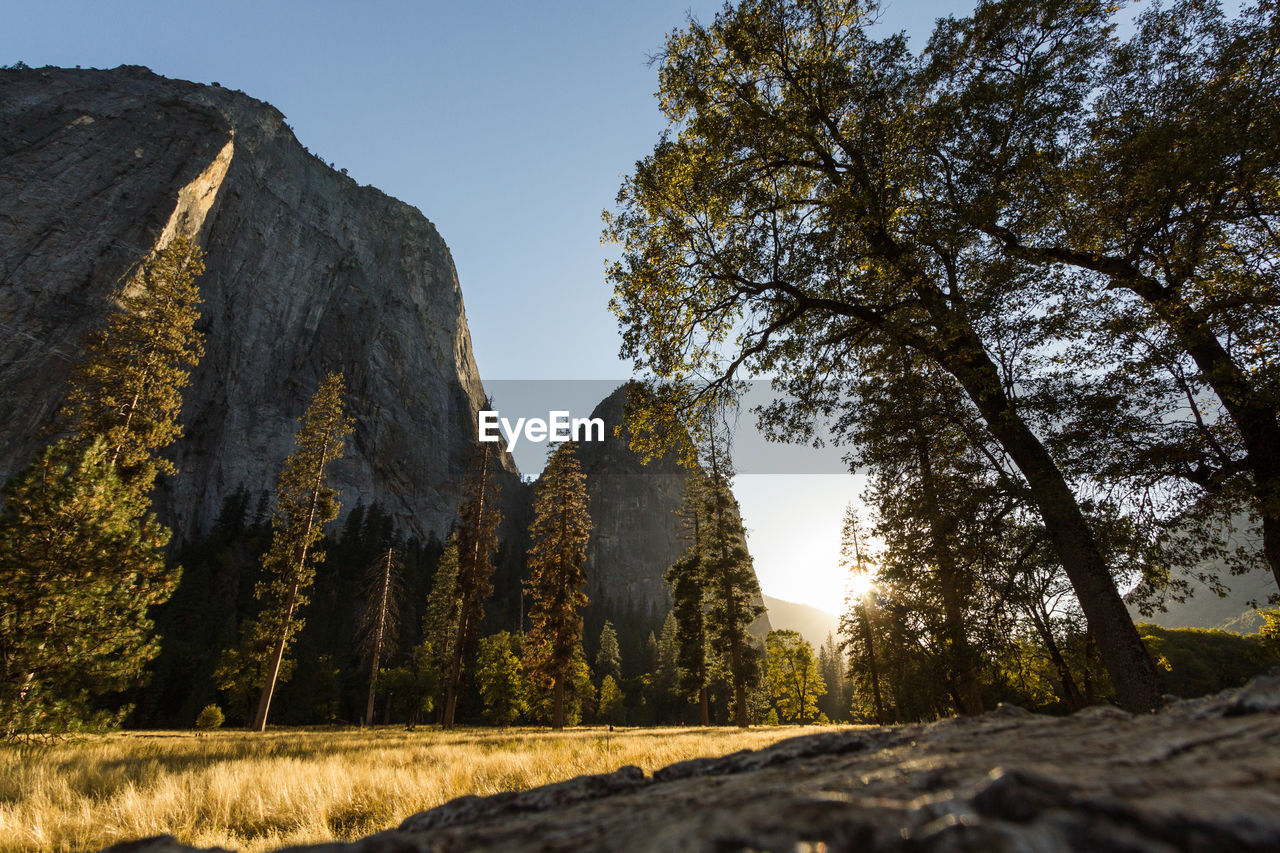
687,580
304,505
478,520
731,587
81,556
560,531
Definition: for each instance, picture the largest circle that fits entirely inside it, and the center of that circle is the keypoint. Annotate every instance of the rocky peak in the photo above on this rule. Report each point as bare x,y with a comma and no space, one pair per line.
305,272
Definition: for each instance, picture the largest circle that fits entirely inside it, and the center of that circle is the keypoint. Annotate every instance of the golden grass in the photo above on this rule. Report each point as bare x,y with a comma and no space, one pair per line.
254,792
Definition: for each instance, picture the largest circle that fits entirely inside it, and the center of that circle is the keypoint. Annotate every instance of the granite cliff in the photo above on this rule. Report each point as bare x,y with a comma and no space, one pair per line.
634,508
305,272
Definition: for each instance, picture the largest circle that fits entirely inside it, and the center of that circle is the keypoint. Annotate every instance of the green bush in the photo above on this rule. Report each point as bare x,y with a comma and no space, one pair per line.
210,718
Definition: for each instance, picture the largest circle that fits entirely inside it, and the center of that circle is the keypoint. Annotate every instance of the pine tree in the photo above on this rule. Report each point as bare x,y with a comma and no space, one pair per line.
560,531
855,623
379,629
608,656
612,710
304,505
500,679
731,587
688,583
79,568
835,704
440,621
128,388
81,555
478,520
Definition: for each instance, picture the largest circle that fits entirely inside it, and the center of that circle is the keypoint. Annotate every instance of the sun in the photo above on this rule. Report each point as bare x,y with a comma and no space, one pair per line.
858,584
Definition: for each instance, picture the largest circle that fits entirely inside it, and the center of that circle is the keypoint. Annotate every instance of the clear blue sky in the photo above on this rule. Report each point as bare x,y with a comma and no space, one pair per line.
510,125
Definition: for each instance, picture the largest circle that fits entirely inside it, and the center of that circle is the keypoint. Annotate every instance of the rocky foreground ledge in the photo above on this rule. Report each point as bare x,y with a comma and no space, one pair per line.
1202,775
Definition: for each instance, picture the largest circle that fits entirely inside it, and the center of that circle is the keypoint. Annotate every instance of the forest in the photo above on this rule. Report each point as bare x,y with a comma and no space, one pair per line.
1026,278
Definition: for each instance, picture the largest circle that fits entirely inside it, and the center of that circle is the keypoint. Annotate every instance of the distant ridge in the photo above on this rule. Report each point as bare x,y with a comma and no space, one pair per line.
812,623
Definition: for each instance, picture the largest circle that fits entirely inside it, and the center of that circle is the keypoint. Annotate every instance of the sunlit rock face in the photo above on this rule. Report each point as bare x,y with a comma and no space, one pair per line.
306,272
635,512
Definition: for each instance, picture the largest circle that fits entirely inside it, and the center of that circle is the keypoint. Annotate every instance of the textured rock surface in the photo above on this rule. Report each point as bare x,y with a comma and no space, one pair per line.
1203,775
306,272
635,512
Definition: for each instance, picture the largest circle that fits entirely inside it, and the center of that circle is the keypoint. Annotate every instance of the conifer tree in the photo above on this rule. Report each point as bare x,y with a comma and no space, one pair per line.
835,704
500,678
855,623
612,710
128,388
379,629
608,656
79,568
440,621
81,555
731,587
560,531
478,520
305,503
688,594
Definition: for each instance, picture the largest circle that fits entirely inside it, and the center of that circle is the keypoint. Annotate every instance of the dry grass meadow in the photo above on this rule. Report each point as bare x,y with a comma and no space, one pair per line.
255,792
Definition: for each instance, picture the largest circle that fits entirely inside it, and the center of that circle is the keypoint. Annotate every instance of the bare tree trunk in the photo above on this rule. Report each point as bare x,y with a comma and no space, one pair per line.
277,655
1132,671
378,635
273,671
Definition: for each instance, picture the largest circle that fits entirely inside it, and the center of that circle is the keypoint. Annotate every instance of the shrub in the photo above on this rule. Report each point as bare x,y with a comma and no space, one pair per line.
210,718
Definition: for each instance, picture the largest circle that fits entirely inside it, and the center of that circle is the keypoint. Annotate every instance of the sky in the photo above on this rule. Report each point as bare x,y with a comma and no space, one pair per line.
510,126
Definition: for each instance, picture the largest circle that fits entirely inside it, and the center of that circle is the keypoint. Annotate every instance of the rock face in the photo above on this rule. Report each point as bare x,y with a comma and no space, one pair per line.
1203,775
305,272
635,509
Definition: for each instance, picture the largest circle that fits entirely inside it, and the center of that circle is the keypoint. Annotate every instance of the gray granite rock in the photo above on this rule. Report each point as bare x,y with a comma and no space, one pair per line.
306,272
634,510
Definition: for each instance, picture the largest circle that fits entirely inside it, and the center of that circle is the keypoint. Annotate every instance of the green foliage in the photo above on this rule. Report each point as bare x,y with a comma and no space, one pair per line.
580,696
791,673
440,621
560,531
128,388
500,679
210,718
731,591
612,710
834,704
81,556
242,669
305,503
81,563
1070,229
478,519
1198,661
1270,630
412,687
608,656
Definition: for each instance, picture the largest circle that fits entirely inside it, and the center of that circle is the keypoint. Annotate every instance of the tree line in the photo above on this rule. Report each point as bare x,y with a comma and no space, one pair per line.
84,566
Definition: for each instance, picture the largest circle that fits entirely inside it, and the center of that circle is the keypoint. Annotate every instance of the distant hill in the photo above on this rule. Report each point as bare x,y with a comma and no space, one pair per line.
812,623
1206,610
